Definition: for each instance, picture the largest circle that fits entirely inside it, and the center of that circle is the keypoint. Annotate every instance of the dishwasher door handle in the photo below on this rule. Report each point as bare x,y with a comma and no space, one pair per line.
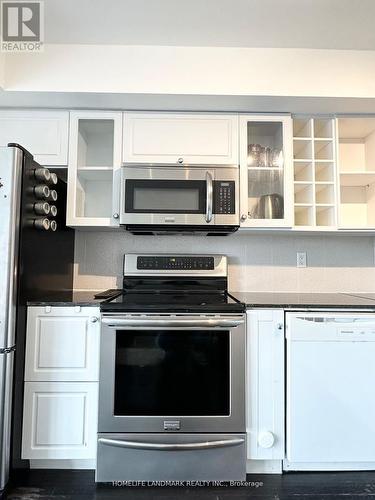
204,445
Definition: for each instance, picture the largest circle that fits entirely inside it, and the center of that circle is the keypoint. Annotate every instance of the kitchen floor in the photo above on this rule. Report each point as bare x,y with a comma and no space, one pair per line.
79,485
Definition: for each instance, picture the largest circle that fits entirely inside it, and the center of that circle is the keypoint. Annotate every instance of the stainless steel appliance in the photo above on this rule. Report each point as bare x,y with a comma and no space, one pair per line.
158,199
172,373
270,206
36,261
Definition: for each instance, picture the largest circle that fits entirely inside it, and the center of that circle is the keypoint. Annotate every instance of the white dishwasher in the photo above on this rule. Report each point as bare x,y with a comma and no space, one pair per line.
330,400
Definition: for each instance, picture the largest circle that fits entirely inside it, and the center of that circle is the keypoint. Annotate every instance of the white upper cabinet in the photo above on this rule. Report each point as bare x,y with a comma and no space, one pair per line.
314,169
43,133
356,169
94,168
180,138
266,171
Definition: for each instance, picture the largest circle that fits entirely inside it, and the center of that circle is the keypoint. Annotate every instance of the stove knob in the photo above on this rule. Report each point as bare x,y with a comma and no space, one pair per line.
53,225
42,174
53,210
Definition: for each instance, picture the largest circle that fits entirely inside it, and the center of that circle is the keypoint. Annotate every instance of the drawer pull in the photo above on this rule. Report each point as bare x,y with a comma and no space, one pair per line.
138,445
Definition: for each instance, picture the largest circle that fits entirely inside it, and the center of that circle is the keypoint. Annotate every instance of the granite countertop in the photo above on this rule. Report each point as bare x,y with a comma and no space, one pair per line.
68,298
285,300
297,300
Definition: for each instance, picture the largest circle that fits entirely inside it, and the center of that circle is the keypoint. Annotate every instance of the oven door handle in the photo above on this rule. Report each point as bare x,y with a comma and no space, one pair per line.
209,199
179,323
204,445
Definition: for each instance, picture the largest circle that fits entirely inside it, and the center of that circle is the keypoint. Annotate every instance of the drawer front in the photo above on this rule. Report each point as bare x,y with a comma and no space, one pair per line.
62,344
60,420
146,457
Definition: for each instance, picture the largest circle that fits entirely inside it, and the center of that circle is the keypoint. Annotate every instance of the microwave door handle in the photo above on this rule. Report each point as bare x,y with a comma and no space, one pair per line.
209,199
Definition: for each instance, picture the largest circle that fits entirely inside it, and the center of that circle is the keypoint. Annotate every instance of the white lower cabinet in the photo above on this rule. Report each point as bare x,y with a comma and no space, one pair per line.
265,385
61,383
62,344
60,420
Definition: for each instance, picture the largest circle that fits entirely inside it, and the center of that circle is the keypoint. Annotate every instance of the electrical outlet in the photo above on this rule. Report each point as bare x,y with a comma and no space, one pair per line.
301,259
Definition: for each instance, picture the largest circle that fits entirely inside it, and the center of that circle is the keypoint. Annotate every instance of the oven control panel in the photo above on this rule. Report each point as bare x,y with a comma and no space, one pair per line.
170,262
224,197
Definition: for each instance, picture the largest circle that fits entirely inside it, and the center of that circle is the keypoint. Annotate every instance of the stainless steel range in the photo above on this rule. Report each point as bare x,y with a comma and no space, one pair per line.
172,373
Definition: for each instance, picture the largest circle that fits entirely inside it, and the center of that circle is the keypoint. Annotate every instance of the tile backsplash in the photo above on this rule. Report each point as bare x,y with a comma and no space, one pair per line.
257,262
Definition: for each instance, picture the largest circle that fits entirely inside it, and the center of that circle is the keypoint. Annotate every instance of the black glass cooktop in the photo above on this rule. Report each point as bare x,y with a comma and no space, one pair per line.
173,302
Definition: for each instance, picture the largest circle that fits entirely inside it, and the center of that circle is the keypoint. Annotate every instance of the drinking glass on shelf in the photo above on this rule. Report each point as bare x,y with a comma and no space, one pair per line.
268,155
277,158
254,157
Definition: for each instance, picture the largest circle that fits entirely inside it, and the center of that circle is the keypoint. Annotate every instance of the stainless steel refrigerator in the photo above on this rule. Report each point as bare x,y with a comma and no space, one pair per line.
36,263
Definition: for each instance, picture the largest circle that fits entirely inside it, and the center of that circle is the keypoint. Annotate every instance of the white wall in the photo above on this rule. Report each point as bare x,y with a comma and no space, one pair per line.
193,70
263,263
2,70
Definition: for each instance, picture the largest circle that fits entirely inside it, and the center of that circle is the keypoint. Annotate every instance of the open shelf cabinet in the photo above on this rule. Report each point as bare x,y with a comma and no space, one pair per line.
94,167
94,194
356,168
314,167
95,143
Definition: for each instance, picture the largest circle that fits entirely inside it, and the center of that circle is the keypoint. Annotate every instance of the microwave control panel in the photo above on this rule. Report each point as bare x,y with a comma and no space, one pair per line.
224,197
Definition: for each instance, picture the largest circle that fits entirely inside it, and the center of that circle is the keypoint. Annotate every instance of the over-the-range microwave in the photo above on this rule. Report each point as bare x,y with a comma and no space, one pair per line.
165,199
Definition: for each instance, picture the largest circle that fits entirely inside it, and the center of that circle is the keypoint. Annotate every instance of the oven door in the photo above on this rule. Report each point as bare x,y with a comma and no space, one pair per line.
179,196
172,373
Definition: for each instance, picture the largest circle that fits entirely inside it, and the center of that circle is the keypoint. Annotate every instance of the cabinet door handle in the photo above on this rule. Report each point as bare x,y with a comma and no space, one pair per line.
180,161
280,326
94,319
